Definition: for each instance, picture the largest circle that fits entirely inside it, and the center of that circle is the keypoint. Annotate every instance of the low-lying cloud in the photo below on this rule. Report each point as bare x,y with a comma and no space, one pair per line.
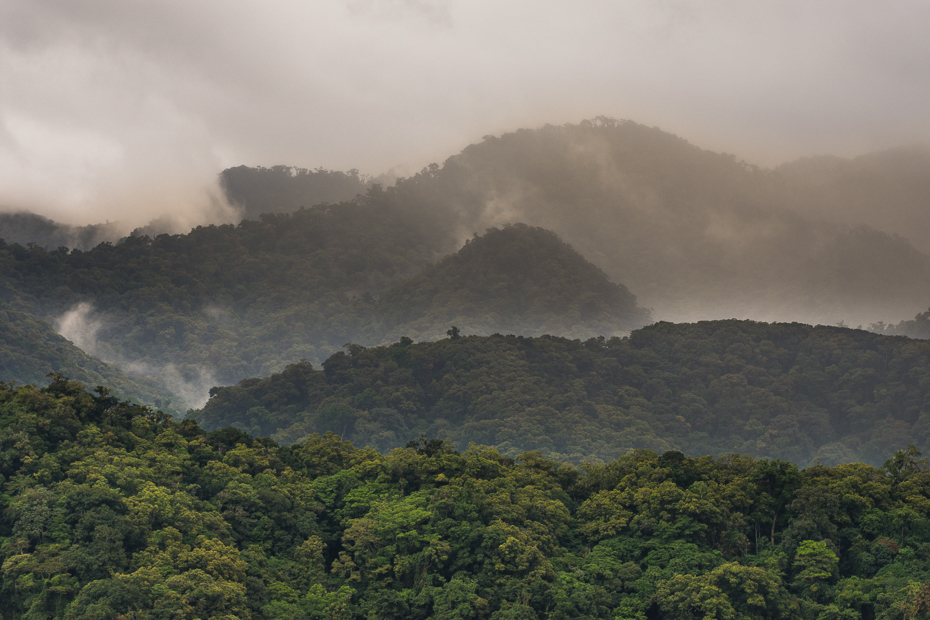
82,325
127,111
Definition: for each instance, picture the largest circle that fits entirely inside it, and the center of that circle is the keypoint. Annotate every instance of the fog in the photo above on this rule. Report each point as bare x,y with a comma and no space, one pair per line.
127,111
82,325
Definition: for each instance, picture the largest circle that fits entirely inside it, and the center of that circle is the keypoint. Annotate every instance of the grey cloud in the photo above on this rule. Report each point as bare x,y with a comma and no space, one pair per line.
127,110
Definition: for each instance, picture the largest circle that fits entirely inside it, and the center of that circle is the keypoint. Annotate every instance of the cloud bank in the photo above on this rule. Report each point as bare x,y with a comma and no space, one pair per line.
114,110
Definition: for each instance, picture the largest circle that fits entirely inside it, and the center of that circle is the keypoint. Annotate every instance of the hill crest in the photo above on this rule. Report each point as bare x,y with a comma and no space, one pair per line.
516,279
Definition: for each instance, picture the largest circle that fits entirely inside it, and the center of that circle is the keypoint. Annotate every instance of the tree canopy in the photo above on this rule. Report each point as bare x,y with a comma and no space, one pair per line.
787,391
109,510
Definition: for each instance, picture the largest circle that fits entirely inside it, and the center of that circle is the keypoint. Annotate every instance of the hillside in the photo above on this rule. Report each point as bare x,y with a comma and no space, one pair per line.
520,280
30,351
695,234
887,190
222,302
227,302
109,510
691,233
786,391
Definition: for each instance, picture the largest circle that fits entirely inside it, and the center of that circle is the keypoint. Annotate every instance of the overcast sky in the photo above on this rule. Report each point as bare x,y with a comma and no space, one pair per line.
125,109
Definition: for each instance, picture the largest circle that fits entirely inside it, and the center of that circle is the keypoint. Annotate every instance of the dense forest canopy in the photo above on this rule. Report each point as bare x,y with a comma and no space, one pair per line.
518,279
109,510
788,391
228,302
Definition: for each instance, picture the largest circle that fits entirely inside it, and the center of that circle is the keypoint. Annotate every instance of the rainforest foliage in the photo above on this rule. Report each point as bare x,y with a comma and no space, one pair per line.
518,279
235,301
786,391
689,232
228,302
111,510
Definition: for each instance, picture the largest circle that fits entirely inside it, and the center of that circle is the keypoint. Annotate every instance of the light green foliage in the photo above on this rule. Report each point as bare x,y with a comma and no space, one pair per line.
110,510
815,565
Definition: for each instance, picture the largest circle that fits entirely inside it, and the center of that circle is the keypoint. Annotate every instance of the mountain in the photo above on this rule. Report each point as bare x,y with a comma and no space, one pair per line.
787,391
31,351
691,233
519,279
886,190
695,234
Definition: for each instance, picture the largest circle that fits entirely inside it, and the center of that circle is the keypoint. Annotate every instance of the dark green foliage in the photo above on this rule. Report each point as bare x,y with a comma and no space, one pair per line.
516,280
108,510
786,391
225,302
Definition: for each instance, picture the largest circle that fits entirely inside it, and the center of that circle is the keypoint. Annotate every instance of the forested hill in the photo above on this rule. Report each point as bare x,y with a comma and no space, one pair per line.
520,279
32,352
690,233
786,391
697,234
228,302
108,510
224,302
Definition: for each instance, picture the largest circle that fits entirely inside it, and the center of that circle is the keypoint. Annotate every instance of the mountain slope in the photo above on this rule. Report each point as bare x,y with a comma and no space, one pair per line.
888,190
695,234
786,391
690,232
224,302
30,351
520,279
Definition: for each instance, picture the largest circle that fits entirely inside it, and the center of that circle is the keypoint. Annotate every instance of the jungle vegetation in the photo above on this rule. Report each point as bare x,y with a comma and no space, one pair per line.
778,391
224,303
113,510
